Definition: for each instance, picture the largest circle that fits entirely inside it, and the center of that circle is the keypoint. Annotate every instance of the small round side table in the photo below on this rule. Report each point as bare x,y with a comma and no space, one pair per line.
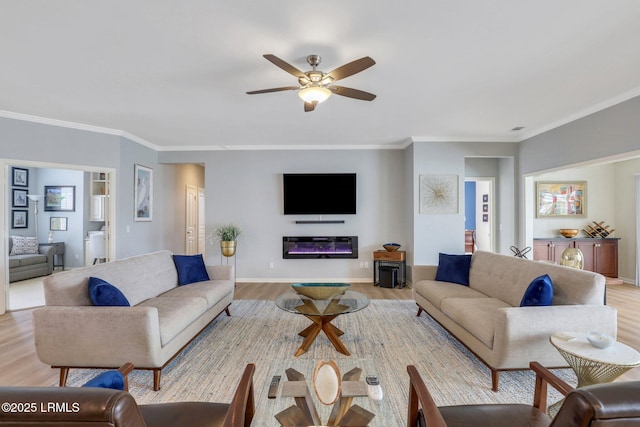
594,365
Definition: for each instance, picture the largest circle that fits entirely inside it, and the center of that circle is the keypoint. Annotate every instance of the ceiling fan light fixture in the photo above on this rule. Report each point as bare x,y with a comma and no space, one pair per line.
314,94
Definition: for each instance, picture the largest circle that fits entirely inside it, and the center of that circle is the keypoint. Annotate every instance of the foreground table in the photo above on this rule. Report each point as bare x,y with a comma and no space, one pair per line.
594,365
321,313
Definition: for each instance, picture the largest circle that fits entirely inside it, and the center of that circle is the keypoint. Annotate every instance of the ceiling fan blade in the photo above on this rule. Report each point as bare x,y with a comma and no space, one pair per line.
310,106
284,65
352,93
351,68
275,89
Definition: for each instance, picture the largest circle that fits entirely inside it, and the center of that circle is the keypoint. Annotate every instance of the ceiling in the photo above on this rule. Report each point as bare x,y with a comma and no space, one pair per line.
174,74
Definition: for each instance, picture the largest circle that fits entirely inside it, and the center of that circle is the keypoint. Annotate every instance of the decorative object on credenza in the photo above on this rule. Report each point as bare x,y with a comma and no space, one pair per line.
327,382
569,232
559,199
143,193
598,230
572,257
520,253
320,291
228,236
391,247
50,237
438,194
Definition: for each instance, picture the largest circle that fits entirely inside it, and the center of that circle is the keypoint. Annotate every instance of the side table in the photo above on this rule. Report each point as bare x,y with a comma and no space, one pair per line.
594,365
58,255
395,260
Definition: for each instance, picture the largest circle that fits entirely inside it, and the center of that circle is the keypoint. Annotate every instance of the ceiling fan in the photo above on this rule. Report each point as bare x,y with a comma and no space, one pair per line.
316,86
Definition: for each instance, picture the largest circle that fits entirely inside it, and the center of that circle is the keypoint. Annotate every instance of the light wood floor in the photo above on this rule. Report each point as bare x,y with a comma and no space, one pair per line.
20,366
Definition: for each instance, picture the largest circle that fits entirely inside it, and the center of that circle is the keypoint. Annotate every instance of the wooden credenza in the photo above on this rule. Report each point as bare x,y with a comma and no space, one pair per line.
600,255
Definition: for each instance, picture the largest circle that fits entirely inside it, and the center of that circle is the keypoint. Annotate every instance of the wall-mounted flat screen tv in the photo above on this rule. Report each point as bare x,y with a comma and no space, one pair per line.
319,193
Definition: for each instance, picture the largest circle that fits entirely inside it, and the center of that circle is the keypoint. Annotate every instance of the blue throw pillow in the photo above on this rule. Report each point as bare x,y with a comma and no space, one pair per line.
454,268
103,293
539,293
190,268
109,379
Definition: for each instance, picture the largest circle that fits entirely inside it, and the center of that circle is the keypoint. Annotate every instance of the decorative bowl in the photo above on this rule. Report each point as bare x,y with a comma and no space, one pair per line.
569,232
320,290
599,340
391,247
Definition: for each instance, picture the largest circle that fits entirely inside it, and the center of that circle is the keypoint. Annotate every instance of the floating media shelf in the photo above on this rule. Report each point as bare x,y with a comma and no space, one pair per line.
321,221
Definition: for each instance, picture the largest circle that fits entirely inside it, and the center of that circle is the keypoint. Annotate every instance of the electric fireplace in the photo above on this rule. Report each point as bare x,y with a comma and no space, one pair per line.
308,247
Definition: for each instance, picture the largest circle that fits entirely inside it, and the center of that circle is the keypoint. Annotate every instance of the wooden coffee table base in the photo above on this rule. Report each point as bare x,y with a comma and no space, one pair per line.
321,323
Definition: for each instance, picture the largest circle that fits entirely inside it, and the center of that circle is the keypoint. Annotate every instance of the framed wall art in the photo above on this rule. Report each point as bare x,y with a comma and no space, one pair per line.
143,193
60,198
20,199
438,194
19,177
561,199
58,223
19,219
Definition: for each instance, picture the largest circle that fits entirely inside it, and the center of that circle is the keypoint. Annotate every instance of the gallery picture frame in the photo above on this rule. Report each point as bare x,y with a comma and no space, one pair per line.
19,177
143,193
19,198
561,199
438,194
19,219
60,198
58,223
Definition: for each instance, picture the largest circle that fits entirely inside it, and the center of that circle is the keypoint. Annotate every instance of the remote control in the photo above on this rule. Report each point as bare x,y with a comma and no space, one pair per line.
373,387
273,387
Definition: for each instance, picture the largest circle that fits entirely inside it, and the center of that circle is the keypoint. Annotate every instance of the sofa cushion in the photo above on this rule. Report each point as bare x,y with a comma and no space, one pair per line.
212,292
109,379
191,269
23,245
436,292
175,314
539,292
476,315
454,268
103,293
24,260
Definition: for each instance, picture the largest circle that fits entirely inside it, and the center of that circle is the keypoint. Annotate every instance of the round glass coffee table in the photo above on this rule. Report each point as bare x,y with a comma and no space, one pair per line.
321,313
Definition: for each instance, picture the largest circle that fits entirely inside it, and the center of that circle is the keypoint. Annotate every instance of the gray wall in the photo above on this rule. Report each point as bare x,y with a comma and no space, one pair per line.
245,188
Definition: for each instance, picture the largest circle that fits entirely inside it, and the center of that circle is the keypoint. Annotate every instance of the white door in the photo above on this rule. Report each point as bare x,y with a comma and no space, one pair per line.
201,222
191,220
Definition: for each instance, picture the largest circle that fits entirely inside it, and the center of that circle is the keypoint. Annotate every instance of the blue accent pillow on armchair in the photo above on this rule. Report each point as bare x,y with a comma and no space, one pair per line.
103,293
539,293
109,379
190,268
454,268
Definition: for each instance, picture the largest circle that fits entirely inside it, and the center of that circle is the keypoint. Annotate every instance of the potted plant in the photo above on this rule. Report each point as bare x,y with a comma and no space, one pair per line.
227,235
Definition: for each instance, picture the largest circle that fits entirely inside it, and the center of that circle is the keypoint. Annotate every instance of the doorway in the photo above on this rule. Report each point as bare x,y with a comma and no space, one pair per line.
65,226
480,209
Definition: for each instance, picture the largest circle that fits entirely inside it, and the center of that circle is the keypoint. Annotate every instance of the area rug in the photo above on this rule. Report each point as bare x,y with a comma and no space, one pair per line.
387,332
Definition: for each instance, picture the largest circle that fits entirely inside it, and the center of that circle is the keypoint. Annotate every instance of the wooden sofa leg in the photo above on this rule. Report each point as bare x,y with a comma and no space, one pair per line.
64,374
157,373
226,310
495,378
420,310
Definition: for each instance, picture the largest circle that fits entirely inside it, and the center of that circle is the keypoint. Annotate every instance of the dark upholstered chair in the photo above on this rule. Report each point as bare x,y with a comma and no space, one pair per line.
612,404
66,406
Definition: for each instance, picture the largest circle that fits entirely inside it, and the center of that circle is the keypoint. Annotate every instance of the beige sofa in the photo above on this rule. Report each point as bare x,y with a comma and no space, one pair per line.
487,318
163,318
